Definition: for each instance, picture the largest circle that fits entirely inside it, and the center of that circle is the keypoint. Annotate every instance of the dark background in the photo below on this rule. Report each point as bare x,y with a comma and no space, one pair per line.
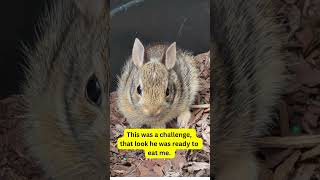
183,21
17,19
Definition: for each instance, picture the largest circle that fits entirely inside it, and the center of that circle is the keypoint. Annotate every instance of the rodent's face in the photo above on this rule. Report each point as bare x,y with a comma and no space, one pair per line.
154,82
154,91
87,111
87,92
67,90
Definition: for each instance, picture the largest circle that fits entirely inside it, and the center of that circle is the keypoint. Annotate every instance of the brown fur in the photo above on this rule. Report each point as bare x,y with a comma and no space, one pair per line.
154,77
64,130
248,76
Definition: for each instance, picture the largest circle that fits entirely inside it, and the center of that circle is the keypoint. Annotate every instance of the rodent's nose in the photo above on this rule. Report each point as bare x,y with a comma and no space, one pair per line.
152,111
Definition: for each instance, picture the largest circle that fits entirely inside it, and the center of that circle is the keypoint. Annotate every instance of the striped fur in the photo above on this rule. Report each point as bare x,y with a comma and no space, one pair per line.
248,75
65,132
154,77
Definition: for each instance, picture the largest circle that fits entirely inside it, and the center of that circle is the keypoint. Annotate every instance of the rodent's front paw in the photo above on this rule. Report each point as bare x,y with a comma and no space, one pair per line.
135,124
183,119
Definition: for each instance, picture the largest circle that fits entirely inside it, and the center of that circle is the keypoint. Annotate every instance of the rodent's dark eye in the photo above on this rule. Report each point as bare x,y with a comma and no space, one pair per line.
93,90
167,92
139,90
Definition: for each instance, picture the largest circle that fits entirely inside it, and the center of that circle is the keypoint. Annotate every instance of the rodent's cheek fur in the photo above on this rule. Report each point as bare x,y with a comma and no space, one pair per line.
86,118
89,128
136,99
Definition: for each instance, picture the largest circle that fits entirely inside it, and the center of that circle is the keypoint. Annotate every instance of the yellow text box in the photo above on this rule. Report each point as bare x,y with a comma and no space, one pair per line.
159,143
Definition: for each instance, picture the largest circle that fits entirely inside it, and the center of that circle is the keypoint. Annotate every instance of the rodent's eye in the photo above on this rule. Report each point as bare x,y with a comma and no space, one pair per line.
93,90
167,92
139,90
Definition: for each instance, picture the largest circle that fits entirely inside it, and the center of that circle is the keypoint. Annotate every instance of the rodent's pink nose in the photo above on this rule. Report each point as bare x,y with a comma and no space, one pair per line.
152,111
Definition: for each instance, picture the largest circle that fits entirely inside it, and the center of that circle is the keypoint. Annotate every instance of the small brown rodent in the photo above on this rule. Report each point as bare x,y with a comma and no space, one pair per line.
66,91
157,84
248,76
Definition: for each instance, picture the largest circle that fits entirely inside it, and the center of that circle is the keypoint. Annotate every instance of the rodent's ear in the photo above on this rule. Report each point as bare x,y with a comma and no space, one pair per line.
138,53
92,8
171,56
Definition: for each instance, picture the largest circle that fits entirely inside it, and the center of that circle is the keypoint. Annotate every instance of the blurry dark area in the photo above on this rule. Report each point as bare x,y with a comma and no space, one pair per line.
18,19
183,21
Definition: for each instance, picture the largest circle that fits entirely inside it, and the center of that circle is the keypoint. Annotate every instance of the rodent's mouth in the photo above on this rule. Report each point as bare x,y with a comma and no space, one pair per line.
153,117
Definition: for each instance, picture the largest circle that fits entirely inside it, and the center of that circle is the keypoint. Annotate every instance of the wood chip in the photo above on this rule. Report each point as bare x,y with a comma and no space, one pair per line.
305,172
305,141
197,117
283,170
294,18
200,106
266,174
311,153
277,158
290,1
284,119
158,170
306,74
195,166
311,118
145,171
